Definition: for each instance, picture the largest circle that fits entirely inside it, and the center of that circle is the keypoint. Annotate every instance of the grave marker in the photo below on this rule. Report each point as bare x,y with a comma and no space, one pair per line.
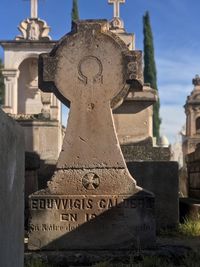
91,202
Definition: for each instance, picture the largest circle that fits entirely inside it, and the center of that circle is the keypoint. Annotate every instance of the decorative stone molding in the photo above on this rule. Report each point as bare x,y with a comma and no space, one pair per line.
9,74
34,29
23,116
116,23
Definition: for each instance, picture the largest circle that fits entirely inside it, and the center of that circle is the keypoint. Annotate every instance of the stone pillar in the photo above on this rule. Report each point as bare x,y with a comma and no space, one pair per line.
187,113
192,122
11,93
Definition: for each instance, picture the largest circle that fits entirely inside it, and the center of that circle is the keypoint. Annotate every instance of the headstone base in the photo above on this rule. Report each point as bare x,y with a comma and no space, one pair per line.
95,222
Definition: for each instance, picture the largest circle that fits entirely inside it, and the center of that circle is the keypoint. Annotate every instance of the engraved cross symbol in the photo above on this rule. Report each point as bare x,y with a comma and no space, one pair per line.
91,181
116,4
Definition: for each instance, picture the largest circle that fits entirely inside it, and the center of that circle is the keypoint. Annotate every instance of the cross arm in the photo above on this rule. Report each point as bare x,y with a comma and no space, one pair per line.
46,76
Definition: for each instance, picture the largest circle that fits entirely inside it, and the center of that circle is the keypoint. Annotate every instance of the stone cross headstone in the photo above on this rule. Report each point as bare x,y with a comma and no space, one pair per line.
91,202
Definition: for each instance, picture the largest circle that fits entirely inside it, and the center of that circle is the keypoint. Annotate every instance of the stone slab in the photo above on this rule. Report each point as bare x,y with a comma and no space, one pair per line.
12,192
161,178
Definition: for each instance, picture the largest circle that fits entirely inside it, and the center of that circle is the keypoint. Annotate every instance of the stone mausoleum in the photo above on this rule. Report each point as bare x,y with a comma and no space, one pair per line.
37,112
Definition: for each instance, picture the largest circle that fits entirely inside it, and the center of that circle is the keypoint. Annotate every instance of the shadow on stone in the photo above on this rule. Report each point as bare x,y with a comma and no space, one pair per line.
121,222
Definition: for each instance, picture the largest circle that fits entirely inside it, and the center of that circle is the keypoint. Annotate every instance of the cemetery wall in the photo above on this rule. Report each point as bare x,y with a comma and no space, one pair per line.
12,192
161,178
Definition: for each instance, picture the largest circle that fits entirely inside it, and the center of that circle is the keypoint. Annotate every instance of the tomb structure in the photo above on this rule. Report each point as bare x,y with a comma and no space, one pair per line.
190,206
38,113
192,111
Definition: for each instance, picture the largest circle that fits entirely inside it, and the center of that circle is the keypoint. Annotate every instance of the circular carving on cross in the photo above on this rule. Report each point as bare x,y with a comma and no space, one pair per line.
91,181
90,70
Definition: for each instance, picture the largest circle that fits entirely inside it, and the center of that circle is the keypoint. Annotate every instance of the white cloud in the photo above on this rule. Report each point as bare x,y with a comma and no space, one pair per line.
180,68
174,94
173,119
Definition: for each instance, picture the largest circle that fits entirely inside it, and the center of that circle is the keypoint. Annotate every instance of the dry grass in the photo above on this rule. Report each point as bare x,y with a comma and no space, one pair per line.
190,228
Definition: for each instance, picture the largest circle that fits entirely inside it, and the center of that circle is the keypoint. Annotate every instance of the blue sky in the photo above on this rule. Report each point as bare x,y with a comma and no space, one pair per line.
176,33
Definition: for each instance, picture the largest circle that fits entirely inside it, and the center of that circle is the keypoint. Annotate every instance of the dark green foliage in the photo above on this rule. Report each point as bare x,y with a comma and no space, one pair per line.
1,84
150,75
75,12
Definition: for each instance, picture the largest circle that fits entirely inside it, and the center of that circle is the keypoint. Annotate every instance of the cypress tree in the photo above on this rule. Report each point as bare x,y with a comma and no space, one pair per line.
75,13
150,74
1,84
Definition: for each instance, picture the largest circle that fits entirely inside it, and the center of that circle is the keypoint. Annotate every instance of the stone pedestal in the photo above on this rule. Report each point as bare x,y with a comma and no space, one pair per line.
133,119
92,201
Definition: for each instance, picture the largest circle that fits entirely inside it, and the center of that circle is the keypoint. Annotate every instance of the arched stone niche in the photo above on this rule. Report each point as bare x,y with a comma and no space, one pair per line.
29,95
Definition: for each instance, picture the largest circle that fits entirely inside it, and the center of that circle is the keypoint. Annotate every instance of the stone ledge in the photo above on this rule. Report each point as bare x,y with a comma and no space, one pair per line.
145,152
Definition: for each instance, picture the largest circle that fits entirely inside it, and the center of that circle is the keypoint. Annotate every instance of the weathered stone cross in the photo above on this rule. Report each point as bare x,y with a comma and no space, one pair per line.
116,4
92,69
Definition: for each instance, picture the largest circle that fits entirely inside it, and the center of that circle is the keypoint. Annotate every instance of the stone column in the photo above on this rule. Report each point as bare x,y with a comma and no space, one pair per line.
187,113
11,93
192,122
